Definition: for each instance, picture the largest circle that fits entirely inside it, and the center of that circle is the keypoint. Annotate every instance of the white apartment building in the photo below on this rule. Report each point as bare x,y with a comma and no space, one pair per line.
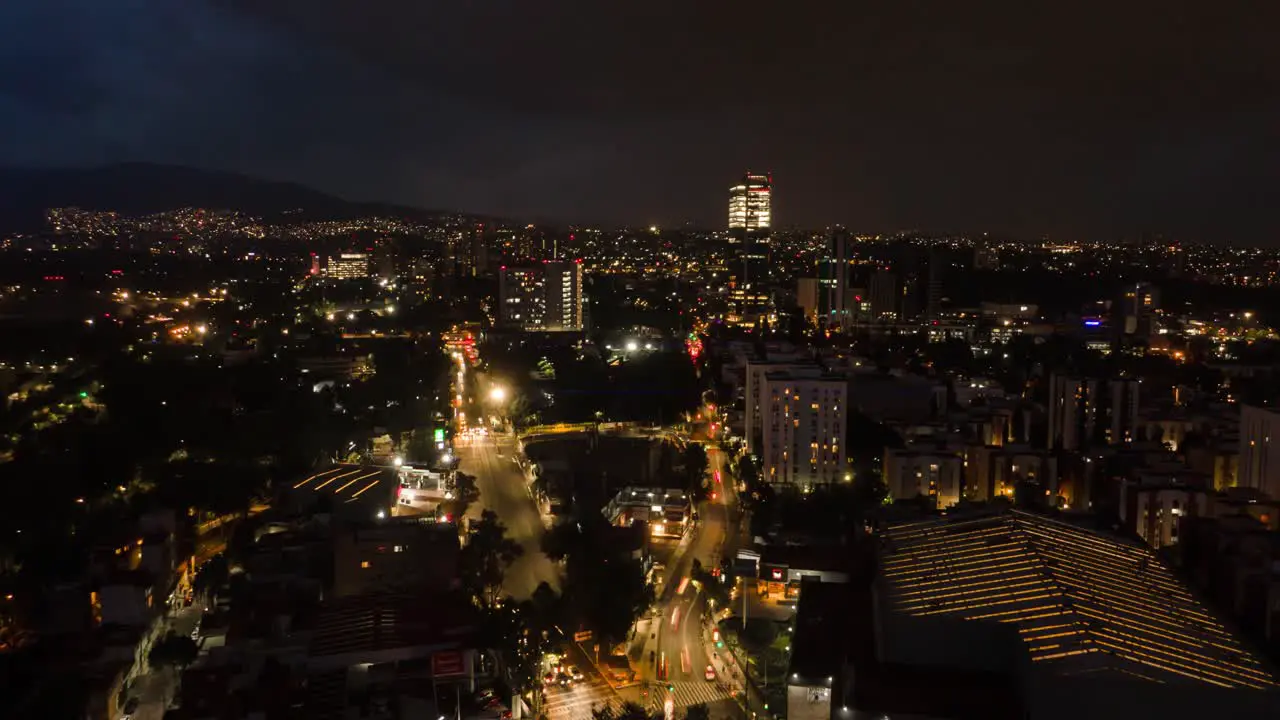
754,396
803,424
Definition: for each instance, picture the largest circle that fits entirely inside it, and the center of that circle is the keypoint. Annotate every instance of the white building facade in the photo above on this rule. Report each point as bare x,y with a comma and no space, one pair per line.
803,425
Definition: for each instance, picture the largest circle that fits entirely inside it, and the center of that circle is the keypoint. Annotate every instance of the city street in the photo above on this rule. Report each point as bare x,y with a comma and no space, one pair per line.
503,489
674,646
491,458
155,688
577,702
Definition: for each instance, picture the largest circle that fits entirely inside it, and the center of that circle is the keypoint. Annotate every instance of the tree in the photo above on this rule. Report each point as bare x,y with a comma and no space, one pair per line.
747,472
173,651
621,595
520,635
625,711
486,557
868,490
465,492
699,711
562,540
605,585
758,634
695,471
211,575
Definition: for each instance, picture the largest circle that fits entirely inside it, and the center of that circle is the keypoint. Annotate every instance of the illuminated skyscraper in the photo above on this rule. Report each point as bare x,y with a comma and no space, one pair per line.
348,266
751,204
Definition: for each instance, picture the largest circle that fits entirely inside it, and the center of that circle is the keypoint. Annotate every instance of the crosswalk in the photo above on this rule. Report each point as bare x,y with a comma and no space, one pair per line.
690,693
576,703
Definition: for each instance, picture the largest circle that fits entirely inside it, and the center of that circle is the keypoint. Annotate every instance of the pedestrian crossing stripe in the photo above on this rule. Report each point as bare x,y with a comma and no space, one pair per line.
692,693
579,708
560,704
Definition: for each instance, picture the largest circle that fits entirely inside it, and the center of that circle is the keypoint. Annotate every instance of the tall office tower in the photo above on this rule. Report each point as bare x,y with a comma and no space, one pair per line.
884,295
837,308
1136,309
546,297
564,295
751,207
348,266
803,423
1259,457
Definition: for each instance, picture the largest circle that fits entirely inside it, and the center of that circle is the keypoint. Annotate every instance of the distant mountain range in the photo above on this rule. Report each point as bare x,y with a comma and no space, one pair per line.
141,189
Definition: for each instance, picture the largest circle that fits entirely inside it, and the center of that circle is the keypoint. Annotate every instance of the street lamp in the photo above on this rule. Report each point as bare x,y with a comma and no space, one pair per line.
397,461
498,394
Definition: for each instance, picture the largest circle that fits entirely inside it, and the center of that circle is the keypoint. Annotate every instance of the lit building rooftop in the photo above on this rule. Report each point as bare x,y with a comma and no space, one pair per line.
1084,602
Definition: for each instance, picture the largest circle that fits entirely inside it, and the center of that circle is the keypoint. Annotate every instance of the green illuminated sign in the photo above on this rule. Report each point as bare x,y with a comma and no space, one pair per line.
439,435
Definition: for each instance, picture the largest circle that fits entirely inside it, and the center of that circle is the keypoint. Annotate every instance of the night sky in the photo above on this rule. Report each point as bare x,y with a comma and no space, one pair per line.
1076,119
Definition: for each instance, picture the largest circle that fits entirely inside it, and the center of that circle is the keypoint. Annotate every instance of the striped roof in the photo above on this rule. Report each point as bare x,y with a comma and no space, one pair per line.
1083,600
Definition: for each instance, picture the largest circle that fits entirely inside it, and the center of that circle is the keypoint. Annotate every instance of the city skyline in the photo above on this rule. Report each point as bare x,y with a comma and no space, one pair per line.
1162,126
458,360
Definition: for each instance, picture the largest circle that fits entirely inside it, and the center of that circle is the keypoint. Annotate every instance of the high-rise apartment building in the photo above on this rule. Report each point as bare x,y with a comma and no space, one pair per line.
755,401
522,297
1259,457
564,295
542,298
803,424
348,266
751,205
1087,411
468,250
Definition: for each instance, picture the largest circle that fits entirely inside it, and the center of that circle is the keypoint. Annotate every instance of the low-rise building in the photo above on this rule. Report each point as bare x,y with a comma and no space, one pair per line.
918,471
783,568
394,554
668,512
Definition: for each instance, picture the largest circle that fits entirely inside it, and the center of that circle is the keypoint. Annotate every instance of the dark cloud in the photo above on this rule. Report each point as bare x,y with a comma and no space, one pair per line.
1077,119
